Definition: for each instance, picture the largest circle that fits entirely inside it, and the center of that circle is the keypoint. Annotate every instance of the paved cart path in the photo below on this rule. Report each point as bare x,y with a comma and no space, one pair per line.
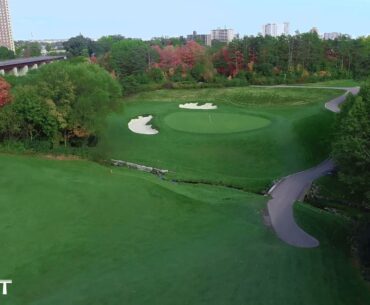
292,188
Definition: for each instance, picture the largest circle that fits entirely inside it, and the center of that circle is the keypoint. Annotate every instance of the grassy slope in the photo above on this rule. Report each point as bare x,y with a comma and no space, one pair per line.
251,159
77,233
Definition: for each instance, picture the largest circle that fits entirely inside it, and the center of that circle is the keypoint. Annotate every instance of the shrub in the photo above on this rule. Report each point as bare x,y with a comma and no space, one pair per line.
63,102
156,75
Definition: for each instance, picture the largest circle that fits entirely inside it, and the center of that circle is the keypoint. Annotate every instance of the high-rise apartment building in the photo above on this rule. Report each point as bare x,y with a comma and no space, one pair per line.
206,39
223,35
275,29
6,34
331,36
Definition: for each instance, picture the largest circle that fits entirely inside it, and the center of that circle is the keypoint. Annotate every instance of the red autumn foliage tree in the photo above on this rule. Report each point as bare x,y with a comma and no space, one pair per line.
186,56
190,53
169,57
5,96
220,61
229,62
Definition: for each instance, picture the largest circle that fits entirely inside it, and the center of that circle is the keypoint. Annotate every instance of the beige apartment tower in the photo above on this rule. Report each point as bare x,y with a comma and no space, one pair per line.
6,34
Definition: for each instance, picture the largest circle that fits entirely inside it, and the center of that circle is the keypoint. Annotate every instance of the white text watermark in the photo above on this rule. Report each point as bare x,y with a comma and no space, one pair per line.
5,284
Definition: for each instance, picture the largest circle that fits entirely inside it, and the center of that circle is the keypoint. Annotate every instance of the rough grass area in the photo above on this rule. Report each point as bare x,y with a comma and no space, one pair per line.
243,96
296,139
73,232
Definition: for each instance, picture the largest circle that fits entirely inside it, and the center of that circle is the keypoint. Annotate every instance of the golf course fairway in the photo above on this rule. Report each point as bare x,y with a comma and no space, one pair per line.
74,232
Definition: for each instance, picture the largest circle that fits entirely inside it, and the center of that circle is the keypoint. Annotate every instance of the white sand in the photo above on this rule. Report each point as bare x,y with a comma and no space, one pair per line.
207,106
140,126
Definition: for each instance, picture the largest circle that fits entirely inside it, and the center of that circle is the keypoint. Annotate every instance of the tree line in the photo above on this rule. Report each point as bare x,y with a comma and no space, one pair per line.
257,60
351,150
176,62
351,147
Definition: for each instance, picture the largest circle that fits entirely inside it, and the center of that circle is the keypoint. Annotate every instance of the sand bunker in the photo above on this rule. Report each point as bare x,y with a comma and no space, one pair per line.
207,106
140,126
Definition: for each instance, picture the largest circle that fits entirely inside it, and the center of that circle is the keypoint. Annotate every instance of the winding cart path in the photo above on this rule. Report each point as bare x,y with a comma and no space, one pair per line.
292,188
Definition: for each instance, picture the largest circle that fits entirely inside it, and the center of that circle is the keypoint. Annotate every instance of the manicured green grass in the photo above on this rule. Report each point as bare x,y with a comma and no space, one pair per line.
336,83
214,123
296,138
74,232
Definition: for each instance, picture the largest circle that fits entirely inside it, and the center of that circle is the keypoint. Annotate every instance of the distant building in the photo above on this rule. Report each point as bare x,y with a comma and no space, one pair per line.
286,28
331,36
223,35
267,29
276,29
6,34
44,52
50,41
203,38
314,30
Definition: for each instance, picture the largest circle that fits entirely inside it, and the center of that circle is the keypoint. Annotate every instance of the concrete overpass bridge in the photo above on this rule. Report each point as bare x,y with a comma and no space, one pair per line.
21,66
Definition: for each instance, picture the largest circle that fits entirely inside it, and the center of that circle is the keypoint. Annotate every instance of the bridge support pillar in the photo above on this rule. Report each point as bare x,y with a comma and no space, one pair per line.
14,71
23,71
35,67
2,72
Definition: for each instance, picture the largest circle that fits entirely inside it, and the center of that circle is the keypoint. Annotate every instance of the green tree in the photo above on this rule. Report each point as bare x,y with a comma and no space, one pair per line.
80,46
10,123
105,43
156,75
33,115
61,103
83,94
56,87
351,148
97,95
131,57
28,49
5,53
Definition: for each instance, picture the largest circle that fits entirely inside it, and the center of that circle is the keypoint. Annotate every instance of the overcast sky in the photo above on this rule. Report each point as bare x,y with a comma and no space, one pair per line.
46,19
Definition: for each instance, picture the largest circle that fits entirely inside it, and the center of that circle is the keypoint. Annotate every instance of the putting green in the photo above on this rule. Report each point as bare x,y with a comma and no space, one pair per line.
214,123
